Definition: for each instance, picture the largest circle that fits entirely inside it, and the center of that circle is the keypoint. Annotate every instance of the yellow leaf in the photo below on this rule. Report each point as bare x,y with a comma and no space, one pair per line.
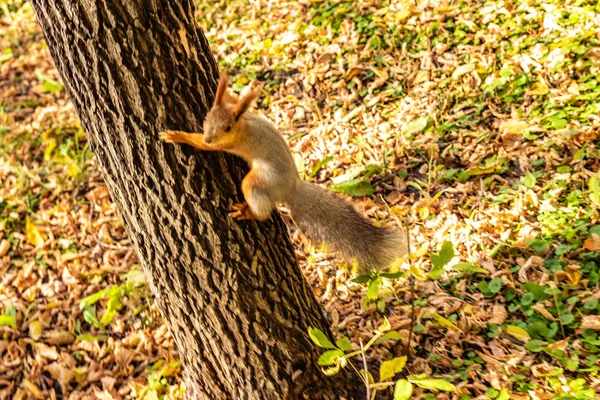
171,369
35,330
48,152
514,126
385,325
33,235
482,171
33,389
422,76
518,333
571,275
80,135
396,265
444,322
73,170
352,73
468,309
538,89
369,376
391,367
402,15
418,273
48,134
462,69
80,374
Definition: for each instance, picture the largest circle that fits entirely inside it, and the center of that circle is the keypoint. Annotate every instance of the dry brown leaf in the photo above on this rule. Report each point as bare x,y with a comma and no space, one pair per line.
590,322
62,375
4,247
532,262
44,351
571,275
592,243
539,307
499,315
59,338
33,389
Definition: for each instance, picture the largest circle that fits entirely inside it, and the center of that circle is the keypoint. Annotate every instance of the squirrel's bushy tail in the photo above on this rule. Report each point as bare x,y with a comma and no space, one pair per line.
326,218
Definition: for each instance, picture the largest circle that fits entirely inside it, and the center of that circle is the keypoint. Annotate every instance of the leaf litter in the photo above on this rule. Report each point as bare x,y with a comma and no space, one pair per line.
474,124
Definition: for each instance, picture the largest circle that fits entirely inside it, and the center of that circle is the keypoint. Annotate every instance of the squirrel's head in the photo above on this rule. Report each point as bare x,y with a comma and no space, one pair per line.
222,120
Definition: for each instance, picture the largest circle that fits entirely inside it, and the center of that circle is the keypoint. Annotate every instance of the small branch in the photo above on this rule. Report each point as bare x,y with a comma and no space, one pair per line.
366,377
362,350
382,385
562,328
354,368
411,279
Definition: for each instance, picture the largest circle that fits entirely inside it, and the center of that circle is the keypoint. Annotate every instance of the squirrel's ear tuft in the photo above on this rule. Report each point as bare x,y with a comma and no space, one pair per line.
245,102
223,80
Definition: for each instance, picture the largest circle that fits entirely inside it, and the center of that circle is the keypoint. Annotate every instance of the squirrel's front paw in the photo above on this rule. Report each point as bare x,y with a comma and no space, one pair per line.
242,212
168,136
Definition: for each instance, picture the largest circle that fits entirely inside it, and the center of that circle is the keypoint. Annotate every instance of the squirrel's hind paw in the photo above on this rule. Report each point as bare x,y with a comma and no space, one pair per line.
242,212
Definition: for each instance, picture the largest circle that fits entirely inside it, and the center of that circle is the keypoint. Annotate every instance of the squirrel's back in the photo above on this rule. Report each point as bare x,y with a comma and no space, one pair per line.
273,148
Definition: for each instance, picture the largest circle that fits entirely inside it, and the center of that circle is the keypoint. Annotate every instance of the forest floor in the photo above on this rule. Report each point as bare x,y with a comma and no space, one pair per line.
475,124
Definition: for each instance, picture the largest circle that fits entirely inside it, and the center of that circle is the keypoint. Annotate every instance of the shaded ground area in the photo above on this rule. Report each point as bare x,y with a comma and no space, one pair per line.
474,123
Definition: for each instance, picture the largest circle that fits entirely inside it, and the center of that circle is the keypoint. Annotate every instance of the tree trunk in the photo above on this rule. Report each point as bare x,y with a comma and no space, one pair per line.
232,293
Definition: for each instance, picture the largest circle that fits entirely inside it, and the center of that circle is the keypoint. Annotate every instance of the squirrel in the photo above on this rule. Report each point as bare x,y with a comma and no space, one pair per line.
273,178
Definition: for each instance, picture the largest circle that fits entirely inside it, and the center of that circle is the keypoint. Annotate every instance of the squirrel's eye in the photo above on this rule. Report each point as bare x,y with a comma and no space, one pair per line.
228,128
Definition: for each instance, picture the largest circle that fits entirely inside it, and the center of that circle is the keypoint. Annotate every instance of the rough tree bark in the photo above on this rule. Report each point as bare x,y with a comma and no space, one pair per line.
232,293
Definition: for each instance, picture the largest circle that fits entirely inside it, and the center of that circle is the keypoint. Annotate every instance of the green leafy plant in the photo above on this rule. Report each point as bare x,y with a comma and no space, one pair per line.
9,318
339,356
441,259
113,294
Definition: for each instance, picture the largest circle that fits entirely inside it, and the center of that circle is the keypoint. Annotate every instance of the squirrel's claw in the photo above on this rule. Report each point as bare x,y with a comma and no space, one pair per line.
168,136
241,212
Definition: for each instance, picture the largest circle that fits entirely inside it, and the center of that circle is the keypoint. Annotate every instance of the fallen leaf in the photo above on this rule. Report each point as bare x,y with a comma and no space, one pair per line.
590,322
33,235
403,15
35,330
60,338
514,126
45,351
62,375
541,308
445,322
422,76
33,389
391,367
592,243
571,275
538,89
518,333
462,69
532,262
499,315
4,247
